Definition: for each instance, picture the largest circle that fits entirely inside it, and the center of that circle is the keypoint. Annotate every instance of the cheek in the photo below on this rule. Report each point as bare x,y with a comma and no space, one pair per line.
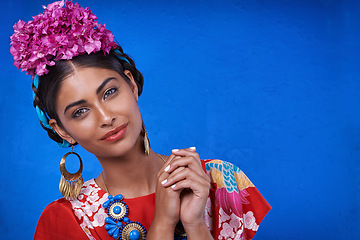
137,118
135,115
82,130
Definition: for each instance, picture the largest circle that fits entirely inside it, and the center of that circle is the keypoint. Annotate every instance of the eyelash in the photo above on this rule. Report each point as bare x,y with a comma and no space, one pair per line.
108,93
79,112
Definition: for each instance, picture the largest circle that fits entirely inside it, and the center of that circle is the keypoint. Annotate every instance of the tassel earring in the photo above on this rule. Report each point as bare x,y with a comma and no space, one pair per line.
146,141
70,183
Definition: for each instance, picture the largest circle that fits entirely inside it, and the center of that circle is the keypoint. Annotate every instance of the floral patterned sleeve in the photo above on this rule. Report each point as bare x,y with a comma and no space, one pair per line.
235,207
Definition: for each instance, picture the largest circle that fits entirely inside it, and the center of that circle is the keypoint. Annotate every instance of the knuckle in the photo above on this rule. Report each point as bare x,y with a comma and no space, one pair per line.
208,178
186,171
159,175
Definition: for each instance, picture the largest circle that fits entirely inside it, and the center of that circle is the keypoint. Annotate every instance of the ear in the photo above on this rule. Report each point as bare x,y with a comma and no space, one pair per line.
133,84
61,132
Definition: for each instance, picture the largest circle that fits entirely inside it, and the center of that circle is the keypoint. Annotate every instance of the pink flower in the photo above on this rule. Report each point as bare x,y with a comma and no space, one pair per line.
249,221
76,204
99,218
79,213
94,208
227,231
58,33
93,198
223,215
235,221
81,196
88,212
208,215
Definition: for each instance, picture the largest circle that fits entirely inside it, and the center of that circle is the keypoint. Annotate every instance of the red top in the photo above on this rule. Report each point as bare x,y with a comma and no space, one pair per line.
234,209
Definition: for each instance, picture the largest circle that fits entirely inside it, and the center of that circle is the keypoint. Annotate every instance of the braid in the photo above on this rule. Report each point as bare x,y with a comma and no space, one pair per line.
36,101
129,64
37,104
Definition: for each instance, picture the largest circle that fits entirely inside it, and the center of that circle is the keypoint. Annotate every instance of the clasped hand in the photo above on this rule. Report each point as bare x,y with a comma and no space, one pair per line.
182,190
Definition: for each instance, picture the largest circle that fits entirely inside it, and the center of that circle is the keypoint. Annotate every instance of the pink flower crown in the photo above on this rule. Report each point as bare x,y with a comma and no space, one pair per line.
58,33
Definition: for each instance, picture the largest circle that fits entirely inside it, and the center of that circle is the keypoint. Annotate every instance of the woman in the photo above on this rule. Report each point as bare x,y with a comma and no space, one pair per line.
85,92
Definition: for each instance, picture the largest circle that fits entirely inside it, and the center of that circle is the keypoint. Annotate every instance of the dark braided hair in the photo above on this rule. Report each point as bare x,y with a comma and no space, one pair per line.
49,84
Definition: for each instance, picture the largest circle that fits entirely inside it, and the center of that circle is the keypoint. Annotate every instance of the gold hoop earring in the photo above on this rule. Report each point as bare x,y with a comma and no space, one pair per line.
146,141
70,183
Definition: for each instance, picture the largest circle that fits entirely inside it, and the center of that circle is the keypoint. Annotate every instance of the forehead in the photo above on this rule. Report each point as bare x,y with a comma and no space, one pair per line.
83,84
84,79
88,77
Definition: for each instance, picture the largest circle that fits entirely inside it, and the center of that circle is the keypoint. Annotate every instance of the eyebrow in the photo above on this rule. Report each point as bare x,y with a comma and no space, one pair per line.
98,90
74,104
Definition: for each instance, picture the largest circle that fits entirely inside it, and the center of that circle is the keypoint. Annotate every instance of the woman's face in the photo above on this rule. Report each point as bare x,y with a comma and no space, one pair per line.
98,109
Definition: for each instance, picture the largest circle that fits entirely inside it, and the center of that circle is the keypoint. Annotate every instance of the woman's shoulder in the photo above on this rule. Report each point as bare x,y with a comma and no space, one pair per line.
219,164
226,167
226,174
65,205
58,221
60,204
235,198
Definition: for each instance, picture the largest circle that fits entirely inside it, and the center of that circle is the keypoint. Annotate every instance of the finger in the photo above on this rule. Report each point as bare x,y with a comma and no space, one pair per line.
189,162
166,166
175,156
177,175
186,153
184,173
191,149
200,188
164,181
162,174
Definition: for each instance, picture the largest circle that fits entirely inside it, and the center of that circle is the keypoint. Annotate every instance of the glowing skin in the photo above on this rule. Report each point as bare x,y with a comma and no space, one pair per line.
98,109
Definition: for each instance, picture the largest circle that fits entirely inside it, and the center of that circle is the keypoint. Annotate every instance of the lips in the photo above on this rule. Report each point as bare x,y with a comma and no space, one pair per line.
115,134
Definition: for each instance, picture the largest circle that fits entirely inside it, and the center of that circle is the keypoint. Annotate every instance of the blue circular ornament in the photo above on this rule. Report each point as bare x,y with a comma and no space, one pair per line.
134,235
117,210
118,224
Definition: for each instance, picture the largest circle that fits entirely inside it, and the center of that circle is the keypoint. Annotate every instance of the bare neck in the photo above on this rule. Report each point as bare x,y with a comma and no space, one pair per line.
131,175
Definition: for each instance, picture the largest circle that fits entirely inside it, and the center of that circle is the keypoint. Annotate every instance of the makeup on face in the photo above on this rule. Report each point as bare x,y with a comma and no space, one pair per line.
98,109
115,134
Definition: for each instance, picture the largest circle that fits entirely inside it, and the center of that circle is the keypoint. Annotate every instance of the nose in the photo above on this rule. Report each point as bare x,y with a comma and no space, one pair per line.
106,118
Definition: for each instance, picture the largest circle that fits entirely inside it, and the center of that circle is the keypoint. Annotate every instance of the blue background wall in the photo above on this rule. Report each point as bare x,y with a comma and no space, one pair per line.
272,86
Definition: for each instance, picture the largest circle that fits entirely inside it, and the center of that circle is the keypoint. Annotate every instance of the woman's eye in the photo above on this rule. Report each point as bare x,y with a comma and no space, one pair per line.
79,112
109,92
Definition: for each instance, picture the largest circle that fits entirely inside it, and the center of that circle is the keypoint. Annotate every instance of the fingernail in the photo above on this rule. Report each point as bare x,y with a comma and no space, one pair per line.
173,186
175,150
167,168
192,148
163,182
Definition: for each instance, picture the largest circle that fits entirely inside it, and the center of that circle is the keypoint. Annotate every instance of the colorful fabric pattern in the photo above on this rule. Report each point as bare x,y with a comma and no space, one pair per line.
234,208
238,205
